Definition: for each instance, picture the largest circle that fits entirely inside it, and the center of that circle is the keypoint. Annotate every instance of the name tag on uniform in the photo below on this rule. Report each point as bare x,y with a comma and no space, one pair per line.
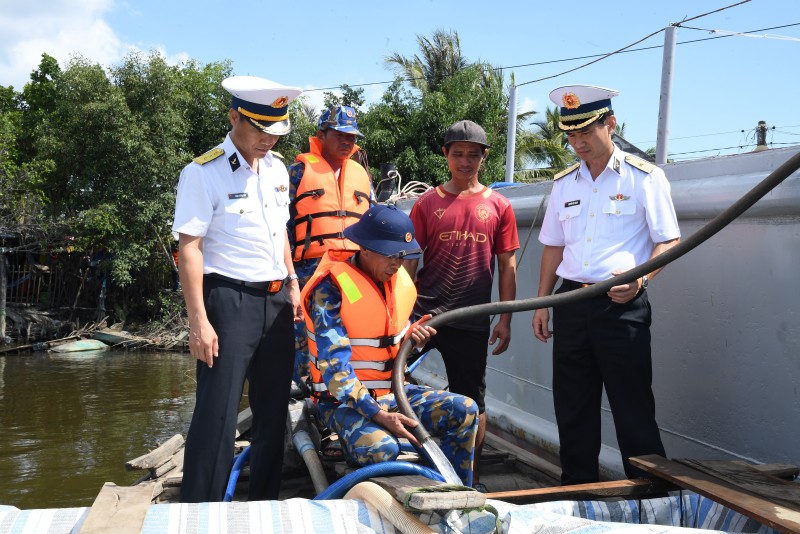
234,196
572,203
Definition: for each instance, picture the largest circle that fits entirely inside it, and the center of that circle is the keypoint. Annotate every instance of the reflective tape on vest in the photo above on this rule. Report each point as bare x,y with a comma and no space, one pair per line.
378,343
369,384
362,365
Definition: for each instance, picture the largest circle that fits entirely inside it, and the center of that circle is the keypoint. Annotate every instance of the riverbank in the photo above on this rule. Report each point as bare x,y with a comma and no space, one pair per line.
39,329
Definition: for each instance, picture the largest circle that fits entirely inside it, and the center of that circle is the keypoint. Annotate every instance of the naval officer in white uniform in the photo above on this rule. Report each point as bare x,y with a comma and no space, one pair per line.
241,293
606,215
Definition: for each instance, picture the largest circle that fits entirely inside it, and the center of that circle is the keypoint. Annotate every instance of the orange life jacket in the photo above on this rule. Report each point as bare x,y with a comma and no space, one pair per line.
324,206
375,325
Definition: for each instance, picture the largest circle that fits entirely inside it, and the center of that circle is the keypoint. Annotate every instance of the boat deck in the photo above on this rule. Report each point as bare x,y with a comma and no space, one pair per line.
524,496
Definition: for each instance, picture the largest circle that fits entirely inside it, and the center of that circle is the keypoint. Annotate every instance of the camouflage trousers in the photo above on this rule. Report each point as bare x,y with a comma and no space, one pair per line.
302,359
451,417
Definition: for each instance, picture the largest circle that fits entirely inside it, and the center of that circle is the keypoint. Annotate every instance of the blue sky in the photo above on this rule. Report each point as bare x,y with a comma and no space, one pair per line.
721,89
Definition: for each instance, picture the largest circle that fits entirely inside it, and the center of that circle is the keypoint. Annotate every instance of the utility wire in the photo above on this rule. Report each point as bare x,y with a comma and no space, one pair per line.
712,12
641,49
773,130
624,50
727,33
594,61
630,45
695,136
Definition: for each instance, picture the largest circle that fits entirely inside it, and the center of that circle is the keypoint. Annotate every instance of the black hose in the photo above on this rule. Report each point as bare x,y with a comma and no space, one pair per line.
703,234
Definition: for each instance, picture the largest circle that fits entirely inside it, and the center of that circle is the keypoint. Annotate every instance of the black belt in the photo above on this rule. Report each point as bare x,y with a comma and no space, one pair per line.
270,287
572,284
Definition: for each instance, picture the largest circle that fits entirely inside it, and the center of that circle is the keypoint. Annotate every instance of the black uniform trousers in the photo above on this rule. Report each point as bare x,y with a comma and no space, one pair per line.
256,342
599,343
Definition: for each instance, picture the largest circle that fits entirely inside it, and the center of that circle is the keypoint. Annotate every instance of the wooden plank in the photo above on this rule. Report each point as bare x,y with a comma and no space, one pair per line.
167,466
751,480
156,486
771,514
526,457
118,509
173,480
405,488
157,456
597,490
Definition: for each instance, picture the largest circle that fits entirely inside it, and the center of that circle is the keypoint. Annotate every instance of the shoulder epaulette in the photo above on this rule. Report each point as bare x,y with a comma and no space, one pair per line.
276,154
211,155
566,171
639,163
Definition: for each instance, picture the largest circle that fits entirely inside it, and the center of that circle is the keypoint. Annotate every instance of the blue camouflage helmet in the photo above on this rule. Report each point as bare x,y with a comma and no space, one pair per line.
387,231
340,118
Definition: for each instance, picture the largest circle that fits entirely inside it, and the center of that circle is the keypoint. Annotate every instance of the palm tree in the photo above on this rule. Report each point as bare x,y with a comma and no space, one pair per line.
440,58
545,148
308,110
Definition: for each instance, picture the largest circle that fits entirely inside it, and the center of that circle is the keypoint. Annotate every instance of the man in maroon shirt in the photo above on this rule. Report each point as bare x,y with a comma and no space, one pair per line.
462,226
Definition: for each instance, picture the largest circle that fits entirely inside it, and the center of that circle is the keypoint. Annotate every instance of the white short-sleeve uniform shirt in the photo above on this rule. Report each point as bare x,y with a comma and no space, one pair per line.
609,224
241,214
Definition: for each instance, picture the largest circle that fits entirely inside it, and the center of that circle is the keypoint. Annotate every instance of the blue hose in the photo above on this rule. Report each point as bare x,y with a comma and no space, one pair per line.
415,363
338,489
235,470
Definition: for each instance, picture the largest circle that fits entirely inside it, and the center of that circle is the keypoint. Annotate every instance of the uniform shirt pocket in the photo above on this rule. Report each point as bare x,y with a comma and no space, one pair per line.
618,211
569,218
282,196
242,217
282,201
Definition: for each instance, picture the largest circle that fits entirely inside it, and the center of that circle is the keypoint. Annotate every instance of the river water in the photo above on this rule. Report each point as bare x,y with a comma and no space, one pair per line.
68,423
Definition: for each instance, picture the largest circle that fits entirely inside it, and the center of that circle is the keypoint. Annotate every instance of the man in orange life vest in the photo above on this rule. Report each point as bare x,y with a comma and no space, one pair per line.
357,309
328,192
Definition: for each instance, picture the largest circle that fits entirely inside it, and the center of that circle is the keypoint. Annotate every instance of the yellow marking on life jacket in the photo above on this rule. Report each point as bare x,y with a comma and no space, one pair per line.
349,287
312,159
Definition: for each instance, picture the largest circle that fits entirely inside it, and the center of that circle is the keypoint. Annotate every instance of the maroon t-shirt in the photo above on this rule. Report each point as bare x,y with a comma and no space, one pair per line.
460,237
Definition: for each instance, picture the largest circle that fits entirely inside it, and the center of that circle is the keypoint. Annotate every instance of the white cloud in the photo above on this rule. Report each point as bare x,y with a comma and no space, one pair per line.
527,104
61,28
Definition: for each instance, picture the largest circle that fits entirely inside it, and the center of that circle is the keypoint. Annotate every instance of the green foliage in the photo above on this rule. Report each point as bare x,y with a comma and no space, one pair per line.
90,156
101,151
21,182
408,130
544,151
440,58
203,103
304,125
350,97
9,100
